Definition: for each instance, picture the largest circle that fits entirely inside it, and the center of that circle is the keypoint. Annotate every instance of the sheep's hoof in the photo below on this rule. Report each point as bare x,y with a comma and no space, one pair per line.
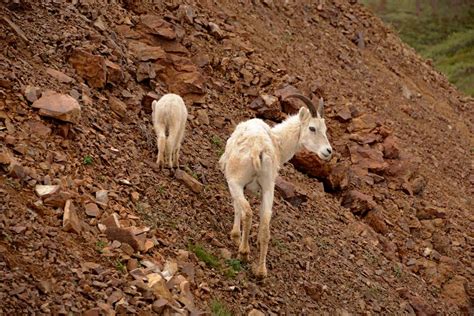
244,254
261,272
235,236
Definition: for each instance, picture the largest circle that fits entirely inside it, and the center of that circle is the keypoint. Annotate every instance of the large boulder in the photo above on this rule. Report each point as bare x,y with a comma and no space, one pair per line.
59,106
90,67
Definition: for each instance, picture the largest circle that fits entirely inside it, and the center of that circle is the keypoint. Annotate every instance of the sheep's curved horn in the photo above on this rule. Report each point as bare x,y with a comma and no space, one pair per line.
321,107
309,104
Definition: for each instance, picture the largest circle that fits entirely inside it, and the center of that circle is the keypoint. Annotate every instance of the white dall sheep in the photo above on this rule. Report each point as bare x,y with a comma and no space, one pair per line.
254,153
169,120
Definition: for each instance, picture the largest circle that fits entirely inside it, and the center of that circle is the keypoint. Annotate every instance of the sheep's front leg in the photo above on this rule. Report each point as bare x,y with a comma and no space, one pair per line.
264,227
235,233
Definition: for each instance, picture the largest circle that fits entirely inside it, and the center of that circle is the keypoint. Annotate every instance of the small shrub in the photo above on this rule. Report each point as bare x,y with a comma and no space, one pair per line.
88,160
204,255
100,245
120,266
219,309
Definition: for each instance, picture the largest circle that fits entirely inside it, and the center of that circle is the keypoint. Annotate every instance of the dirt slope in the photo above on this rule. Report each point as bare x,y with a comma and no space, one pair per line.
385,228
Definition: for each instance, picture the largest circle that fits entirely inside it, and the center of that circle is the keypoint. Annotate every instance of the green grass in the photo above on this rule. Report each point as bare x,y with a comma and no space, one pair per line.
120,266
234,266
88,160
444,33
100,245
204,255
219,309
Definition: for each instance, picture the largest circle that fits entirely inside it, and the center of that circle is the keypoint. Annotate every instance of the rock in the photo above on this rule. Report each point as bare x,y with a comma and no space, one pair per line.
58,199
358,202
417,185
119,107
157,26
145,71
148,100
225,253
188,180
186,12
96,311
418,304
144,52
367,158
407,94
102,197
391,148
112,221
90,67
365,122
344,115
92,210
309,163
338,178
38,128
59,106
58,75
255,312
123,235
44,191
31,93
315,291
289,192
215,30
158,285
267,107
100,24
135,196
291,105
376,221
430,212
190,85
71,222
114,72
454,291
202,116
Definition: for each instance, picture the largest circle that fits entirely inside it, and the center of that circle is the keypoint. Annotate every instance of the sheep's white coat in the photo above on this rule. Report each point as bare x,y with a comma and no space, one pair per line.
169,121
253,155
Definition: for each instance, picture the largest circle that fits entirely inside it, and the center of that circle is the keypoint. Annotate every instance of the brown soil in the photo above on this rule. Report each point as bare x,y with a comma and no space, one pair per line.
410,249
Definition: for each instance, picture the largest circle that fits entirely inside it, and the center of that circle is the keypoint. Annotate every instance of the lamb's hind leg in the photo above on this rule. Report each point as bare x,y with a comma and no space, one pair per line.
178,145
242,209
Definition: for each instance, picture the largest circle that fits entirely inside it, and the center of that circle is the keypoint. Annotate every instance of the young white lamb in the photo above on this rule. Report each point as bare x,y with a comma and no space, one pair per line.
169,121
254,153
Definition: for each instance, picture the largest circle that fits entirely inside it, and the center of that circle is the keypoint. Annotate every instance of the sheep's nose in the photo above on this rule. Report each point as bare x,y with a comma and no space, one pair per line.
328,151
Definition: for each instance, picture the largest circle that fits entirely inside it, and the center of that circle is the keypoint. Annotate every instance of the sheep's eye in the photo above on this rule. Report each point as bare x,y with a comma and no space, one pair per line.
311,128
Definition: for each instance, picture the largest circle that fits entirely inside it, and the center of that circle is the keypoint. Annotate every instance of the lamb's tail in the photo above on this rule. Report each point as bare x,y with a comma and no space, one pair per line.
256,156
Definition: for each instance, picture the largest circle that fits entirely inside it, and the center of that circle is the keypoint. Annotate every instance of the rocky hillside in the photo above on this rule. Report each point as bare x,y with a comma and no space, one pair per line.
90,224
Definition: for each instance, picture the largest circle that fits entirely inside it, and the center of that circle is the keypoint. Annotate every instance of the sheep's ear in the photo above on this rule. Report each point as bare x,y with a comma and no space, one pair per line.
321,108
304,115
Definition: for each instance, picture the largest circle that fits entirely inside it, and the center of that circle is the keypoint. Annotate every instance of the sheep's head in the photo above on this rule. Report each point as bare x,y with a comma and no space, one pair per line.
313,128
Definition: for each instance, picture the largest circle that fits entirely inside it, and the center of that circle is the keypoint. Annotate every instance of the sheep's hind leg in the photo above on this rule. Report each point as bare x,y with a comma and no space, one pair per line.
267,182
161,141
242,208
178,146
171,145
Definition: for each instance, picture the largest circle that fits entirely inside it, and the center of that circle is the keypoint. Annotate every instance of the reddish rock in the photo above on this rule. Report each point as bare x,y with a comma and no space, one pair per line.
454,292
59,106
375,220
358,202
267,110
90,67
119,107
144,52
71,222
391,148
430,212
145,71
309,163
157,26
365,122
92,210
338,178
31,93
290,192
38,128
123,235
344,115
58,75
188,180
114,72
292,105
367,158
112,221
186,84
215,30
148,100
